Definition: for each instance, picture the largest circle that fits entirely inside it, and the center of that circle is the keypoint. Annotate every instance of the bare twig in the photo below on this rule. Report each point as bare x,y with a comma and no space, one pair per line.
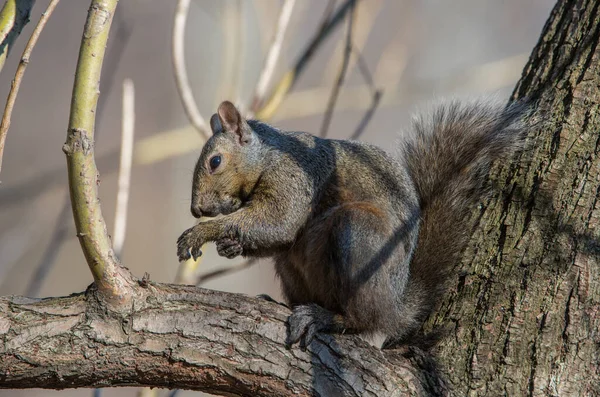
127,130
16,83
112,281
341,75
60,233
239,53
51,252
289,79
368,115
225,270
377,93
13,18
180,72
364,68
273,55
326,17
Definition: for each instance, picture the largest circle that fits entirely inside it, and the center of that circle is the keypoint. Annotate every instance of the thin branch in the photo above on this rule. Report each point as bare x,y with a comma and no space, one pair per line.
237,33
225,270
341,75
186,272
179,69
13,18
268,70
362,125
291,77
364,68
325,19
127,131
50,254
113,281
16,83
60,233
377,93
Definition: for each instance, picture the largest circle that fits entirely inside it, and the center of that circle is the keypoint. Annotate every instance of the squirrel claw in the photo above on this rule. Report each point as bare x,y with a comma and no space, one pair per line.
304,323
188,246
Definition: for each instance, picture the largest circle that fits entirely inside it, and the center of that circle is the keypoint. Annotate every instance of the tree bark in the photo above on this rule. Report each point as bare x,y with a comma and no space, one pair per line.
521,316
524,314
186,337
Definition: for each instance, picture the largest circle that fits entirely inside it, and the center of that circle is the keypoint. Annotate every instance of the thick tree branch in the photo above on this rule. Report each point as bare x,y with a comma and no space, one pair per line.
111,279
191,338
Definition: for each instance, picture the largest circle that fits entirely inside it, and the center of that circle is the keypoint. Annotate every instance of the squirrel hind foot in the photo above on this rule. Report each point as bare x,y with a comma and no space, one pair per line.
307,320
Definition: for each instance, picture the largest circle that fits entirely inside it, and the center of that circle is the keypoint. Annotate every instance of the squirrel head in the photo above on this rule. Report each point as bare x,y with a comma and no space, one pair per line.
229,165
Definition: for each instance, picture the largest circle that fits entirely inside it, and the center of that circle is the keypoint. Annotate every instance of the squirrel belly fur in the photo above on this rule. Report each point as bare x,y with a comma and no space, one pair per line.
362,241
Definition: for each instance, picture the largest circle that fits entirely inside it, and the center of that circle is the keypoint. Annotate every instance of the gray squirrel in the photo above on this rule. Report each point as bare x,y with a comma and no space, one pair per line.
363,242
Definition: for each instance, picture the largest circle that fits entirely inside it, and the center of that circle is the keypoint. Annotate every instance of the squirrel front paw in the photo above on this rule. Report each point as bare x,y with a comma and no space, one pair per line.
189,244
229,248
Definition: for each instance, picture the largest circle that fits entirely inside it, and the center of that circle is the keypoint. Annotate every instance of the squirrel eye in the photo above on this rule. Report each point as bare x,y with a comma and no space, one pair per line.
214,162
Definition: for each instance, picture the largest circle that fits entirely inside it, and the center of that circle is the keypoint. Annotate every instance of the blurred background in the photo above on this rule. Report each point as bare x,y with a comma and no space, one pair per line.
415,51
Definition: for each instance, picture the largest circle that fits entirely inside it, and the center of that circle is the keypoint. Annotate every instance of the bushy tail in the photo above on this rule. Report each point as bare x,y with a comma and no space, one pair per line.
449,158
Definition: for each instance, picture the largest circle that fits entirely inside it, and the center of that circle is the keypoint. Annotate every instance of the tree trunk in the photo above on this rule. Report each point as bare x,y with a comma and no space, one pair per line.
521,318
524,312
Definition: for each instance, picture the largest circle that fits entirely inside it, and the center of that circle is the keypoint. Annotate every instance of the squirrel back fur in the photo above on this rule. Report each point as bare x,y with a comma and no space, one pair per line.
362,241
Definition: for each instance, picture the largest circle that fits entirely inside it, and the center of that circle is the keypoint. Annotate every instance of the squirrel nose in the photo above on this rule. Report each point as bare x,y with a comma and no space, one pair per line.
196,211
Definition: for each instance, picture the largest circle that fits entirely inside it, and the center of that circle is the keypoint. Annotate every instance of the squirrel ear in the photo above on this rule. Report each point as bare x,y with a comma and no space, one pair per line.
232,121
229,116
215,124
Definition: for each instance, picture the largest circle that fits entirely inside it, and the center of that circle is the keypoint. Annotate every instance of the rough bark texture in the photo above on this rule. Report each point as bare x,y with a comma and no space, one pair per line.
524,315
191,338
